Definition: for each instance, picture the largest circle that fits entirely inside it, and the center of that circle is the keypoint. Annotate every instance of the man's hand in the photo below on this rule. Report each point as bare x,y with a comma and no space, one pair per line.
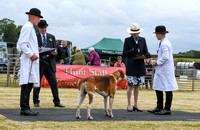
155,63
34,57
62,61
54,53
39,49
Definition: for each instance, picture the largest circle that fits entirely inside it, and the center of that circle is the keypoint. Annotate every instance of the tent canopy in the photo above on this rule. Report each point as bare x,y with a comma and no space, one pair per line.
107,46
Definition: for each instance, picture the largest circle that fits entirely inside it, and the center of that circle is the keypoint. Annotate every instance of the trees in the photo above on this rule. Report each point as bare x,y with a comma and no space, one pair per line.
9,32
189,54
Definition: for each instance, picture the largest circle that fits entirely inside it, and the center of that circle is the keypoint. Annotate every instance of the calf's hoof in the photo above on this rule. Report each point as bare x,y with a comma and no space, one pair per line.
78,117
111,116
106,114
90,118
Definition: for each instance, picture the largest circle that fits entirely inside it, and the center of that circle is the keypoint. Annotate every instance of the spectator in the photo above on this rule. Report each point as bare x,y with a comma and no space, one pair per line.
78,58
60,54
103,63
148,77
119,62
122,84
66,53
17,69
94,57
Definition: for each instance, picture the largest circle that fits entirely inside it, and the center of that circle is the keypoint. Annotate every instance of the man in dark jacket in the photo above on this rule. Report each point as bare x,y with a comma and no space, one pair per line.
134,46
47,64
60,54
66,53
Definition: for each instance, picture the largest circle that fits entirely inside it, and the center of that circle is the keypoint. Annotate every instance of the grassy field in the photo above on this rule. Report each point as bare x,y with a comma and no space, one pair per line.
183,101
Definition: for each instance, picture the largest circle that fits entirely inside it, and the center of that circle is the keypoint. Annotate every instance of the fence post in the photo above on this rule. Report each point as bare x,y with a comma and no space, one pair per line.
8,74
193,78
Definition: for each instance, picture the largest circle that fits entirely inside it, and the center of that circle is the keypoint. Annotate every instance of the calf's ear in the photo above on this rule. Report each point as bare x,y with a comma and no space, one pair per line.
122,72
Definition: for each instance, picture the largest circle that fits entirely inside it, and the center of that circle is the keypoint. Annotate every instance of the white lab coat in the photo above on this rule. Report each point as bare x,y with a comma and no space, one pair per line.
27,45
164,78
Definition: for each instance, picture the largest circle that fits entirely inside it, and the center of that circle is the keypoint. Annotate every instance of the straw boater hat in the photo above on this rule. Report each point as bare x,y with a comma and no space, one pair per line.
134,28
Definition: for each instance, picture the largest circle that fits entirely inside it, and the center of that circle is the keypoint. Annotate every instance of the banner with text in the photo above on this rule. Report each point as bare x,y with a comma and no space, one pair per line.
70,75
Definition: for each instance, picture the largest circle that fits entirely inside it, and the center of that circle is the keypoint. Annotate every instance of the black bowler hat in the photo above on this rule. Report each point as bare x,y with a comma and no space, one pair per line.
161,29
42,24
35,11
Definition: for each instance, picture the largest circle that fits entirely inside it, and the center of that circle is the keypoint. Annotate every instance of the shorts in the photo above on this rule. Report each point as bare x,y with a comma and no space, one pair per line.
135,80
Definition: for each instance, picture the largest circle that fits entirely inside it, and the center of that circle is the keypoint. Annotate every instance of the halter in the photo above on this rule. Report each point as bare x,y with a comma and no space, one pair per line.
115,75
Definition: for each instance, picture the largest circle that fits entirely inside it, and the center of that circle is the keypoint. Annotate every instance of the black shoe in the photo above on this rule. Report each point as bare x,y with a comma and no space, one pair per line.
137,109
129,110
163,112
58,105
155,110
28,113
37,105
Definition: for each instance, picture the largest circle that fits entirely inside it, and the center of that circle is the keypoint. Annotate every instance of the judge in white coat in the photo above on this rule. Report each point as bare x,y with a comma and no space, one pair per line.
164,78
27,45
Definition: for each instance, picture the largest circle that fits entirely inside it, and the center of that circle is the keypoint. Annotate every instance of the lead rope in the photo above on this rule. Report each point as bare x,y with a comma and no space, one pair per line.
60,69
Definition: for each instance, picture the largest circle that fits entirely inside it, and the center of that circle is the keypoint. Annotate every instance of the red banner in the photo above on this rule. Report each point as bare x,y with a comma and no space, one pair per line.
70,75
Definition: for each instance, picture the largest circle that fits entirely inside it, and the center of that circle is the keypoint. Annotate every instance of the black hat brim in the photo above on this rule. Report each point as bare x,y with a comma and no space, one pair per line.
43,26
34,14
161,32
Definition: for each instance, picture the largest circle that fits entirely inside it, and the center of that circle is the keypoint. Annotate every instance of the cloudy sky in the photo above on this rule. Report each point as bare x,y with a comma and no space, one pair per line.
85,22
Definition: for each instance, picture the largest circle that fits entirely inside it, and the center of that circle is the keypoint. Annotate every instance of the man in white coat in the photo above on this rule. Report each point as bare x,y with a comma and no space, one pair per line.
27,45
164,78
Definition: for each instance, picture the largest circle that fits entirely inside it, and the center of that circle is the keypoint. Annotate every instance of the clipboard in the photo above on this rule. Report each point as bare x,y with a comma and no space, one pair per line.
140,58
46,51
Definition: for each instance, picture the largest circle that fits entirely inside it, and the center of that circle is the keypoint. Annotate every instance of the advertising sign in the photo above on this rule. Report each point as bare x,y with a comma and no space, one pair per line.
3,52
70,75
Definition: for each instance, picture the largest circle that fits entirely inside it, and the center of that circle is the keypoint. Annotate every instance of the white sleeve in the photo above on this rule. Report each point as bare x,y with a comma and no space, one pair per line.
23,44
164,54
25,47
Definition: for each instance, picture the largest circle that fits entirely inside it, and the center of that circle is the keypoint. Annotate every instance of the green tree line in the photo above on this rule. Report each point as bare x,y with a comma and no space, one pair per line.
188,54
9,32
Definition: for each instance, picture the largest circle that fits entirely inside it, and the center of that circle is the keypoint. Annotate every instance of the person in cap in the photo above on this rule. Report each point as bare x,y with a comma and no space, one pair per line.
27,45
164,78
47,64
119,62
134,46
94,57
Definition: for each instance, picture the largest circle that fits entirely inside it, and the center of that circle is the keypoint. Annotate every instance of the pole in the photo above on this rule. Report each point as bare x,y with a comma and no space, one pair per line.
193,78
8,73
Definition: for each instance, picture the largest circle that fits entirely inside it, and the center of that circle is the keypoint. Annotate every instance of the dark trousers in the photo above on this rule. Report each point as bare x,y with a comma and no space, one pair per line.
47,71
168,102
25,96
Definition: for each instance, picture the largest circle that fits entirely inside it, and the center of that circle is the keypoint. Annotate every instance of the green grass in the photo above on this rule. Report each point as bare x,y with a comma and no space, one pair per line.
183,101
